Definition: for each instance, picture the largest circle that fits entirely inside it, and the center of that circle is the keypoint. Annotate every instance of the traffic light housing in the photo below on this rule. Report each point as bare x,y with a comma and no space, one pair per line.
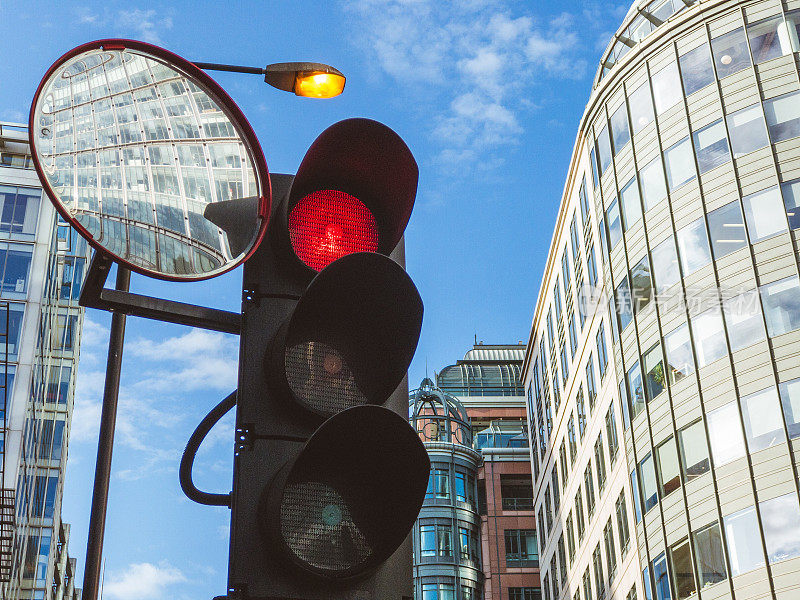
328,474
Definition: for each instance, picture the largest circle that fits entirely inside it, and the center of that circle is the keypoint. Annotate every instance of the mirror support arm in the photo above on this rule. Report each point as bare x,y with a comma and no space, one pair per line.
95,295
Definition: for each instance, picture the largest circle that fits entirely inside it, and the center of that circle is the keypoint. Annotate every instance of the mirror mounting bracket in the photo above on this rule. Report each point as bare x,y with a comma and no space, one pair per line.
95,295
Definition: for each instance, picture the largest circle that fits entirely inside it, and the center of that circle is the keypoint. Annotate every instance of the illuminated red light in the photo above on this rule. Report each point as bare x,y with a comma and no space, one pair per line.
327,225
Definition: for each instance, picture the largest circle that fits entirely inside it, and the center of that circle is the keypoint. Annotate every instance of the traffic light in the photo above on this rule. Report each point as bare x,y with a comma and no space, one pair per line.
328,474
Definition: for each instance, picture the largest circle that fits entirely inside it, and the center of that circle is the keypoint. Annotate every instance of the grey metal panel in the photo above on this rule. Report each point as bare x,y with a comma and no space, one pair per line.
786,350
648,327
754,375
624,165
756,171
736,271
719,186
785,579
733,483
674,514
636,243
699,284
641,436
659,223
630,346
771,259
762,10
726,23
787,155
615,100
753,585
669,322
686,204
686,408
701,500
646,142
739,90
635,79
652,527
661,59
691,40
718,591
716,383
608,184
673,125
777,76
619,266
772,472
792,4
704,107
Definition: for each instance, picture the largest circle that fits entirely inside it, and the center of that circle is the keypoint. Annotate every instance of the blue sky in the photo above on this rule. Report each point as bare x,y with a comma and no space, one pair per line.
486,93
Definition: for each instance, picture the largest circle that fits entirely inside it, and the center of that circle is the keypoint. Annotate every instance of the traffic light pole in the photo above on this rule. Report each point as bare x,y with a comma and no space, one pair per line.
105,447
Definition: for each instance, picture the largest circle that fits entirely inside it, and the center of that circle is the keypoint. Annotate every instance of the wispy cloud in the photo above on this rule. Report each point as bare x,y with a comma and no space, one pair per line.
146,25
476,58
143,581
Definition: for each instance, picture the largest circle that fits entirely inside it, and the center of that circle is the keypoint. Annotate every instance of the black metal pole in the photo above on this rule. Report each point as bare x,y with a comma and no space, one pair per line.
105,447
231,68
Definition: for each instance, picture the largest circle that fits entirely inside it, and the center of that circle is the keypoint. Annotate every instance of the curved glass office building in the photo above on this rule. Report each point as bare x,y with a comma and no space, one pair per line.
662,369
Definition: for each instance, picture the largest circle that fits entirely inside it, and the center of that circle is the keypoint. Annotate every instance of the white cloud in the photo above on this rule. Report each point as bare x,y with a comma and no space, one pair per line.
473,57
146,25
143,581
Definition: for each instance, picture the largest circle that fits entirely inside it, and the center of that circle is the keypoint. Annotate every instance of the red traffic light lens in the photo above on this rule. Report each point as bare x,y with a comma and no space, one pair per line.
327,225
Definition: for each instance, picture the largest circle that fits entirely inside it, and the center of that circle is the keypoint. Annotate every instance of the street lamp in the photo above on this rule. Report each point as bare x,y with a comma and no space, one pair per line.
308,79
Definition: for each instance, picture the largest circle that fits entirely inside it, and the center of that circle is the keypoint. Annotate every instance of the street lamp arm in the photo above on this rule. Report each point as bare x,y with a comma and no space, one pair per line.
309,79
231,68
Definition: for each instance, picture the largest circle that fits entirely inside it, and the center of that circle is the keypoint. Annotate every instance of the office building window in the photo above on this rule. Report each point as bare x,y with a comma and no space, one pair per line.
744,320
573,445
637,499
631,205
747,130
438,484
654,187
693,246
521,549
783,116
668,469
611,553
667,90
679,160
768,39
624,304
709,336
649,487
730,53
562,560
599,579
579,520
602,357
19,211
614,224
611,434
438,591
584,198
791,200
588,483
743,538
641,285
641,106
665,265
548,510
694,450
680,360
562,452
727,230
763,424
517,493
587,584
603,149
661,578
725,434
591,389
436,539
781,305
790,400
765,214
696,69
709,556
600,462
780,518
622,523
654,372
683,571
554,486
635,390
524,593
620,133
711,146
579,406
570,537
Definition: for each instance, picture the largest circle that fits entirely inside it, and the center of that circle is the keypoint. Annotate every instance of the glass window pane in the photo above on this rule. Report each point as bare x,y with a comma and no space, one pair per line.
709,337
696,69
711,146
667,90
744,541
768,39
781,305
730,53
624,304
725,433
780,518
764,212
641,106
709,557
680,360
790,399
783,116
747,130
744,320
763,424
661,578
635,389
649,488
694,450
668,467
603,149
631,206
654,372
693,246
619,128
791,199
614,225
793,27
654,187
665,265
679,161
641,286
683,571
727,229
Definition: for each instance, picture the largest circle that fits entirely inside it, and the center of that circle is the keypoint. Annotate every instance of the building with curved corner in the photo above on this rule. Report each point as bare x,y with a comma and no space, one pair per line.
662,369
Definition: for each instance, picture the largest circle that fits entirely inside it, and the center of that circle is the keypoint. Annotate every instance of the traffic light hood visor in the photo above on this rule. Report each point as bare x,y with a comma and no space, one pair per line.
367,161
351,497
352,335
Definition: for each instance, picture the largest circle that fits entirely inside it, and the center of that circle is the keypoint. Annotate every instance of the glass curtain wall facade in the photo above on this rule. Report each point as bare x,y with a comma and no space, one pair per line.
43,264
665,442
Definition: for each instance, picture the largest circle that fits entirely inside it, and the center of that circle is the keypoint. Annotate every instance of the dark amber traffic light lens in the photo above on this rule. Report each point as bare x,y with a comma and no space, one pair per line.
327,225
